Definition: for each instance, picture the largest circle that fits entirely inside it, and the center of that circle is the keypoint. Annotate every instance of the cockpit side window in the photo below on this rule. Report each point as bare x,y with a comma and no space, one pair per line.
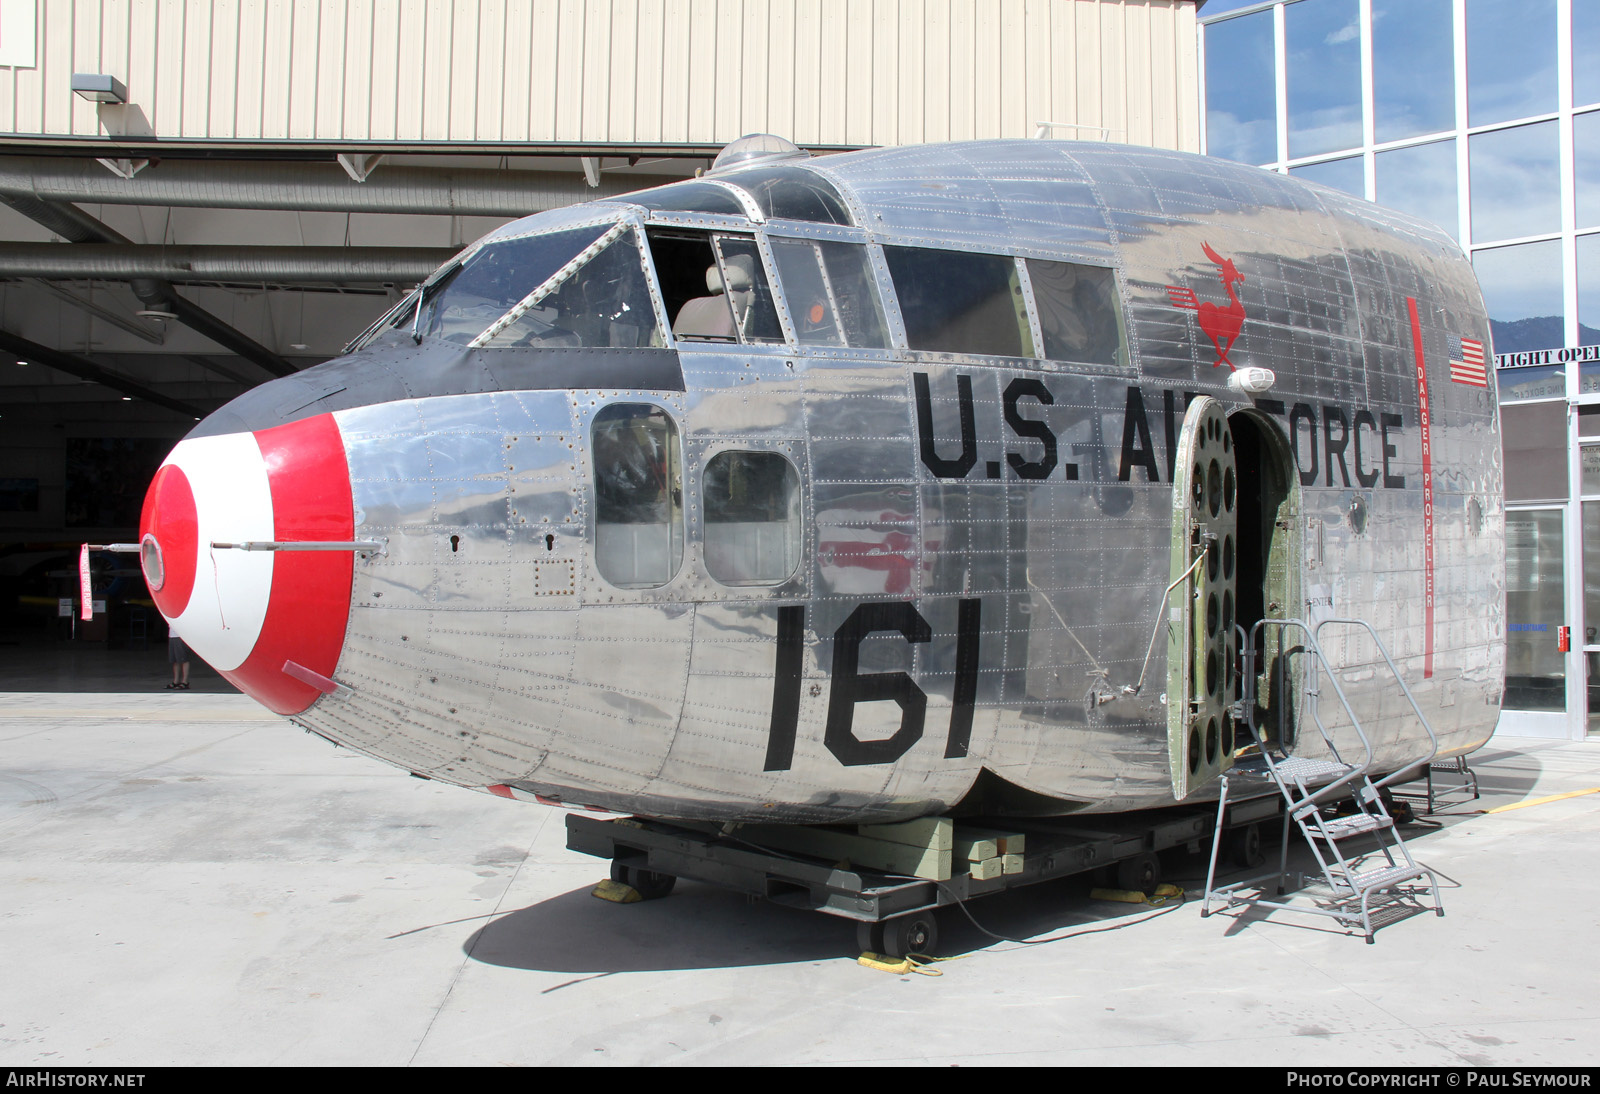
960,302
748,290
830,292
638,493
1079,312
599,298
715,287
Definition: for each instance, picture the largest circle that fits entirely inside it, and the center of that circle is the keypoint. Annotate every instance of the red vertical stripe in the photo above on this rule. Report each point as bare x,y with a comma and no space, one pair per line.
310,604
1427,488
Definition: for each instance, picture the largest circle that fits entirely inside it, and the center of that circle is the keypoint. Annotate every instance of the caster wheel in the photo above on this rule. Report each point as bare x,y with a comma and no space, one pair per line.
1244,846
1141,873
916,933
869,937
649,885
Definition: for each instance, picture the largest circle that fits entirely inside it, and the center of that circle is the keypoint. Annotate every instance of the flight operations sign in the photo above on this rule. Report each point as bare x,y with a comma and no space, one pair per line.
1546,357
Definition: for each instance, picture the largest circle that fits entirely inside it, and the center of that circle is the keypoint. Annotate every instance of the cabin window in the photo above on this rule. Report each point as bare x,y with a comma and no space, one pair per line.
752,518
1078,310
830,292
960,302
715,287
600,297
793,193
638,493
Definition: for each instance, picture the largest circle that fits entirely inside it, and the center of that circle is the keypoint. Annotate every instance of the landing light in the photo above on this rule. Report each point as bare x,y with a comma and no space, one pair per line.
1252,381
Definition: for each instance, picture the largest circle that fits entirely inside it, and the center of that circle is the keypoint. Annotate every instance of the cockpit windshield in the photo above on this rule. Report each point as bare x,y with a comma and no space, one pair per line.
600,298
579,287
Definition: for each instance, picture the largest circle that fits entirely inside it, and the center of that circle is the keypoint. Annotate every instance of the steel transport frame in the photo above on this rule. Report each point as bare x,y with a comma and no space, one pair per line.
895,914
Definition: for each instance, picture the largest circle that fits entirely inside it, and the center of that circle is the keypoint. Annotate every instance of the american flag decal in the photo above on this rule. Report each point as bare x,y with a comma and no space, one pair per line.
1466,362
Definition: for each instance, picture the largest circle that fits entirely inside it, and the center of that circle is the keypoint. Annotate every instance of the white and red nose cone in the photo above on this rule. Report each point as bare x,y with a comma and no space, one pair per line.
272,622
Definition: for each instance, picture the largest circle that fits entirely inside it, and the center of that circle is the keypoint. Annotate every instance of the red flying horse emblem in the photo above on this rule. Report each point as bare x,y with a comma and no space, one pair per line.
1220,324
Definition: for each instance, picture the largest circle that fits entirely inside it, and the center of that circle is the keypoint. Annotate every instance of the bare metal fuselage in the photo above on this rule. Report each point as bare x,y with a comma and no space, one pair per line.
983,540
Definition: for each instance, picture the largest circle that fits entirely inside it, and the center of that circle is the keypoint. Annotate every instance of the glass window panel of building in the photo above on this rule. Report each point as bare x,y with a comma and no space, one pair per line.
1586,167
1241,89
1511,59
1589,290
1515,179
1413,68
1343,174
1585,47
1506,77
1420,179
1323,43
1535,607
1522,288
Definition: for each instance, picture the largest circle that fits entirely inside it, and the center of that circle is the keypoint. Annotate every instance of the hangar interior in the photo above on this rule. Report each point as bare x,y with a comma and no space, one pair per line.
124,321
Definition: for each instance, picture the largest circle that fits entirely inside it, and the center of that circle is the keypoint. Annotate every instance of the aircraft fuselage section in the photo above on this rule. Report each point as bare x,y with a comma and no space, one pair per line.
815,571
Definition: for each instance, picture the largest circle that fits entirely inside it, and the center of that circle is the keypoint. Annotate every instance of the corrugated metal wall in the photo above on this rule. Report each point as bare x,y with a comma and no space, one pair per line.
673,72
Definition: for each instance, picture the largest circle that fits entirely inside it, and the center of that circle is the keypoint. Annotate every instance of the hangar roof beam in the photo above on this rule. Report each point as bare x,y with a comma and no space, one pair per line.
220,263
310,187
84,230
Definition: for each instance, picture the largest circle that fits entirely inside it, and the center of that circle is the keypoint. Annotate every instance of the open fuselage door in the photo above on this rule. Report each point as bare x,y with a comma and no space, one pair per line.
1201,645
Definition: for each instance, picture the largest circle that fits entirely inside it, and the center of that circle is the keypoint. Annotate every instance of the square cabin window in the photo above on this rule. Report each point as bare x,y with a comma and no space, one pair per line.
752,518
960,302
1079,315
638,494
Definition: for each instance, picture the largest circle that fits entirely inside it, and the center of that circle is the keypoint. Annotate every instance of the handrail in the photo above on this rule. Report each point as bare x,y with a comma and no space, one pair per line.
1412,699
1314,647
1358,770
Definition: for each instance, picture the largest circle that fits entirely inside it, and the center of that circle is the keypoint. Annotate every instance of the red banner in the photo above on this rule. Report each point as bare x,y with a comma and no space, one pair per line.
1427,490
85,589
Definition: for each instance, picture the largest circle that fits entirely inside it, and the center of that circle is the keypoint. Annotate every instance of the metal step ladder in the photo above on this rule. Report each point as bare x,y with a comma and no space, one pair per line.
1365,864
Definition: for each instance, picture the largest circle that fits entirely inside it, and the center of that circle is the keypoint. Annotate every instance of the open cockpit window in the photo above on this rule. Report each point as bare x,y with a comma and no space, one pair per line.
714,286
830,292
960,302
793,193
638,494
1079,314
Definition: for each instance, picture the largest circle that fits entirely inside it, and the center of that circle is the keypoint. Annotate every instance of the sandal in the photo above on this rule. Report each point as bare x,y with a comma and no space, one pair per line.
174,687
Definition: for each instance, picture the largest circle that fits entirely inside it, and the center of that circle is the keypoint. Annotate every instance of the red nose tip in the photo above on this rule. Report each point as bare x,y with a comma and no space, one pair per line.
273,623
169,537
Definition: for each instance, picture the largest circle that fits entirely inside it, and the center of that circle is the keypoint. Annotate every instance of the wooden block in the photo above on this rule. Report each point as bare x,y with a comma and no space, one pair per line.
932,833
1011,864
832,844
988,868
971,848
1009,843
